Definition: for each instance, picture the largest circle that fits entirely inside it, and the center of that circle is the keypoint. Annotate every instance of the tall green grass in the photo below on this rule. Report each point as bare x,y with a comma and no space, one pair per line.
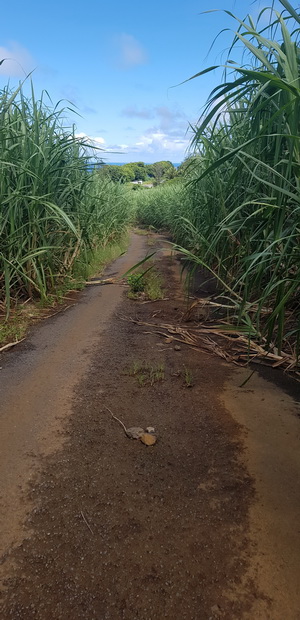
240,209
53,208
157,206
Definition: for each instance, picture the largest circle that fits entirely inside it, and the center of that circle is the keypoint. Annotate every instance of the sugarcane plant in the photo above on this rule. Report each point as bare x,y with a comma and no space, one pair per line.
54,209
239,212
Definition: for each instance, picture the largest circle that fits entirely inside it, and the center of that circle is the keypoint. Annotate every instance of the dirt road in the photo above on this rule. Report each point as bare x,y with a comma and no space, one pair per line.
203,525
36,387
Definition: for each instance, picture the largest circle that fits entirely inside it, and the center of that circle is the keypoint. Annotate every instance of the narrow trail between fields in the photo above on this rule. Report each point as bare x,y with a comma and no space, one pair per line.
36,387
202,525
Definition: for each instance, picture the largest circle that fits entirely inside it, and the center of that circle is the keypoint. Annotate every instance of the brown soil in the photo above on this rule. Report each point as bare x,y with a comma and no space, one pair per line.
115,529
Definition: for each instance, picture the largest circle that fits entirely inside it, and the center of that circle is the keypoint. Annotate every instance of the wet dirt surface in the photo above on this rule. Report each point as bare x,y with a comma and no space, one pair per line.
271,426
116,529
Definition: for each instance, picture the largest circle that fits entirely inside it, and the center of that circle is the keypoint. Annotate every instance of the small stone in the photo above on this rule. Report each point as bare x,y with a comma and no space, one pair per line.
150,429
134,432
177,347
148,439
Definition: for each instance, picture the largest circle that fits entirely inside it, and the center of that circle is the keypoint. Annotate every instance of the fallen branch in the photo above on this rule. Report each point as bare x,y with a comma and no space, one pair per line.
49,316
244,350
152,301
11,344
115,418
106,281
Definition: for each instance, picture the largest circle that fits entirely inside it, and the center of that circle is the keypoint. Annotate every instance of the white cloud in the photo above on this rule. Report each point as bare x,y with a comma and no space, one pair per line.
98,140
153,145
93,140
158,141
167,140
117,148
18,60
130,51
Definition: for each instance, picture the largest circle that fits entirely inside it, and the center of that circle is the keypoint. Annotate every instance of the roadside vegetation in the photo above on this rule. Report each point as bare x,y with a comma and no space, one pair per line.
55,212
146,284
160,207
237,211
146,373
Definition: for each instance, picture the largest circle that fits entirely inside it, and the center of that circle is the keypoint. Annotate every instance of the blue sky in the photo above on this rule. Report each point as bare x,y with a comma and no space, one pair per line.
117,62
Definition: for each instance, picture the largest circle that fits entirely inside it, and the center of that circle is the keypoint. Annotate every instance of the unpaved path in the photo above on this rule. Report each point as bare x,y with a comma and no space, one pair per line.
36,387
203,525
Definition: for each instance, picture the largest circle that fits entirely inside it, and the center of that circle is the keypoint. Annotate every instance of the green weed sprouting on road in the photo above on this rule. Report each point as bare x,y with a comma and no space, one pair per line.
238,212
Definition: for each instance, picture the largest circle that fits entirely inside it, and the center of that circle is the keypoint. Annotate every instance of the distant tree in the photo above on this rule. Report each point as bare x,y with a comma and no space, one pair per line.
134,171
114,173
149,170
129,172
140,171
158,173
162,171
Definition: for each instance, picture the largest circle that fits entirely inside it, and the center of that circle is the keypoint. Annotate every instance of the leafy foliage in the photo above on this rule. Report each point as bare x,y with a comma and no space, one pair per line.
136,282
239,212
53,209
